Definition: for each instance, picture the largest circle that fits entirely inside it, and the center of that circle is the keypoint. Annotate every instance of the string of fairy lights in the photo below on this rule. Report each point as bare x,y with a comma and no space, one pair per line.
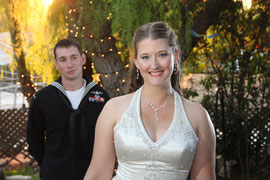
97,74
80,32
28,84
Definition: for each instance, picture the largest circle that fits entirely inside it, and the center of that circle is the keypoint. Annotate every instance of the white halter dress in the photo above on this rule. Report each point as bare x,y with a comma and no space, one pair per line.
140,158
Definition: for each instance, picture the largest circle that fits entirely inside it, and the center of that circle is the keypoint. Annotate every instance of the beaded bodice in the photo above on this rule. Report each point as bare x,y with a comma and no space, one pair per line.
169,158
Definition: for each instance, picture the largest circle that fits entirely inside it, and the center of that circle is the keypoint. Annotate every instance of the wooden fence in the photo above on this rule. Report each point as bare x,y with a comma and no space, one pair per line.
13,145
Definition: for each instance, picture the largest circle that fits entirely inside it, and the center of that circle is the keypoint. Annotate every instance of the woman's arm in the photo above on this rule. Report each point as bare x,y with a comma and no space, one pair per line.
103,159
203,167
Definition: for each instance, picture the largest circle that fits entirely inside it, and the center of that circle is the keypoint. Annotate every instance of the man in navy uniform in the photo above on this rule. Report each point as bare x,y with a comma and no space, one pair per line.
62,117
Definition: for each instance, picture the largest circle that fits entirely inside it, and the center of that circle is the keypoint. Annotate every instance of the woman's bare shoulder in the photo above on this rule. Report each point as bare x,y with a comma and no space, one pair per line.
117,105
196,113
194,107
120,101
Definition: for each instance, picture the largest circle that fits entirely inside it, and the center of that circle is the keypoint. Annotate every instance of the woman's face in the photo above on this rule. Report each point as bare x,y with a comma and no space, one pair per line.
155,60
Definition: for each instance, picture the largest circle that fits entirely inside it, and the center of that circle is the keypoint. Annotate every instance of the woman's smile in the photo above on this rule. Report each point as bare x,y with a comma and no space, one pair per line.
155,61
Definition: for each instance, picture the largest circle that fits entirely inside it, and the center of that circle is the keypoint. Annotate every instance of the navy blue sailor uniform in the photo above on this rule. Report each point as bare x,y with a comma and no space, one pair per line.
61,138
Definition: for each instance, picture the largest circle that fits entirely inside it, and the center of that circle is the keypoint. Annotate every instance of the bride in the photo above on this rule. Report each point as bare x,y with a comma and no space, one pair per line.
153,132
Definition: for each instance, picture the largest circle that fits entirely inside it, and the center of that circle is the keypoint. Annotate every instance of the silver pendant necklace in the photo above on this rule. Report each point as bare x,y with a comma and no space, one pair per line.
156,109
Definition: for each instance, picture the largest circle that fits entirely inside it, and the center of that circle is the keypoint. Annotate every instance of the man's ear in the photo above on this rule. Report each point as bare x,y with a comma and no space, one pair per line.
56,64
83,58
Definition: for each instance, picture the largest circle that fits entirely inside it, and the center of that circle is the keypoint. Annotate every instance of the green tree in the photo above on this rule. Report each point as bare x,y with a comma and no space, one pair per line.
32,41
40,58
90,23
105,28
16,18
238,62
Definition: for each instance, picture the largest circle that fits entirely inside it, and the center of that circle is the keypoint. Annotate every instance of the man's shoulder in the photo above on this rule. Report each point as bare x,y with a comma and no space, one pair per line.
43,91
96,89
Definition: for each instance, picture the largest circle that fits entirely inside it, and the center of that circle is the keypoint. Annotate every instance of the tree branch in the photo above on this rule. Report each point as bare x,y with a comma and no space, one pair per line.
208,17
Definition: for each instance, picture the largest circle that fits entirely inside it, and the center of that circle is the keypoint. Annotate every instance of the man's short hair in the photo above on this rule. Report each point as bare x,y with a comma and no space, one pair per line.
66,43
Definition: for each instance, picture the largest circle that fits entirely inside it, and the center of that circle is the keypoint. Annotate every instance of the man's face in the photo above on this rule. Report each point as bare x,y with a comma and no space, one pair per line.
69,62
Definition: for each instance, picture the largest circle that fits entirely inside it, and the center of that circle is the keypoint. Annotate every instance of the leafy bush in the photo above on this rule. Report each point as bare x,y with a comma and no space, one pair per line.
23,172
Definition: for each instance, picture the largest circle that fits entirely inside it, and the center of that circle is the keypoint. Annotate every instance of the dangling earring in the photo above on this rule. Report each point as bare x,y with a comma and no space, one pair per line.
175,69
138,74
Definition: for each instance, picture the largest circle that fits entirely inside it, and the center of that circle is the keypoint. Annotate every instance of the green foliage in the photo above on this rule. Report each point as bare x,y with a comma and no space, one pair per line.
3,20
209,82
23,172
126,16
238,58
38,38
51,28
93,14
129,15
40,56
189,93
